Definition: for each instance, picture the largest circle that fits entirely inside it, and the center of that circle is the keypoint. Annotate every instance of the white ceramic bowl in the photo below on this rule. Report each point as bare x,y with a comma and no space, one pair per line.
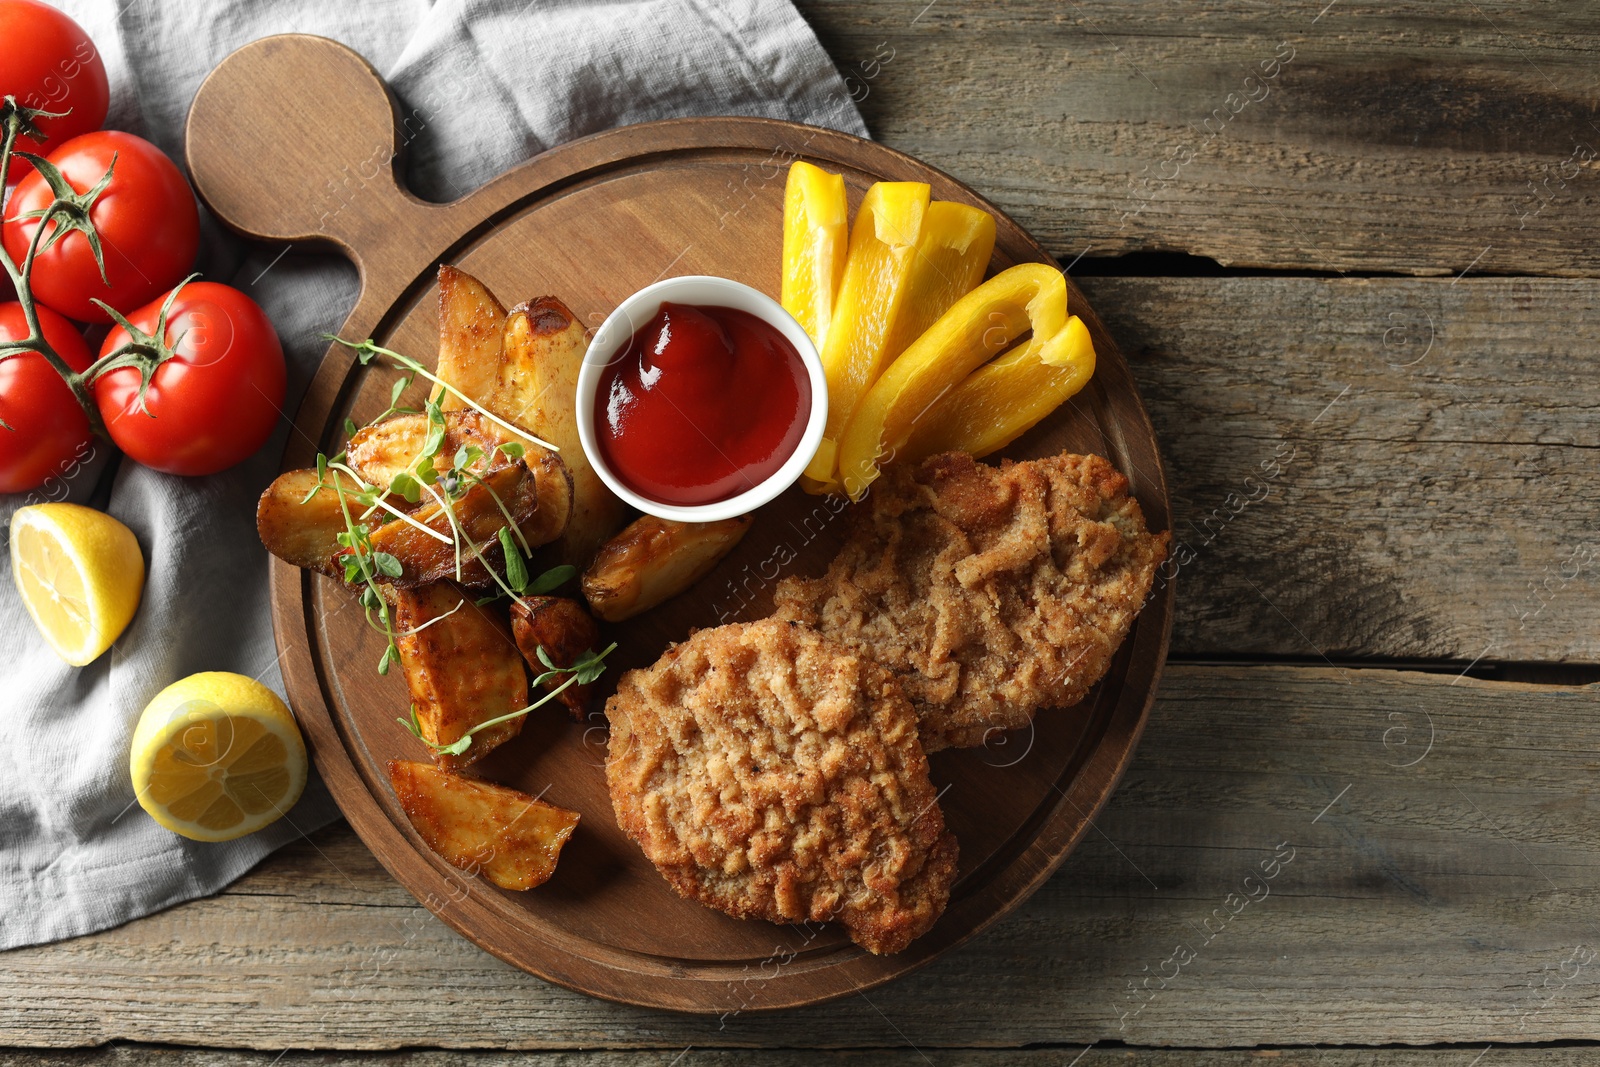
614,334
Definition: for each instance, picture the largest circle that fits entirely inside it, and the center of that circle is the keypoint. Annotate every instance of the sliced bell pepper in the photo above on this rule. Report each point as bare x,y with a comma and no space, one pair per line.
816,224
978,327
883,245
1002,400
951,258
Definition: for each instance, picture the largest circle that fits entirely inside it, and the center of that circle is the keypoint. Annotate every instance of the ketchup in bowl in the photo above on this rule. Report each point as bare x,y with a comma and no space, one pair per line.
702,404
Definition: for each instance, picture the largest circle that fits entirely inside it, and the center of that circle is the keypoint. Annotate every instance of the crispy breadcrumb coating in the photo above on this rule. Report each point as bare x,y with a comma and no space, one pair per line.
988,591
773,774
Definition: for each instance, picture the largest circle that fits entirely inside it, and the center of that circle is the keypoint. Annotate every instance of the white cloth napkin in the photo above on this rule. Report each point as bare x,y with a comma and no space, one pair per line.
500,81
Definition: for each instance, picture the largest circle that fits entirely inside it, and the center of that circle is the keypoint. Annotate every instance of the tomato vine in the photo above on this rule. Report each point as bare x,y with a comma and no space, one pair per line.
69,211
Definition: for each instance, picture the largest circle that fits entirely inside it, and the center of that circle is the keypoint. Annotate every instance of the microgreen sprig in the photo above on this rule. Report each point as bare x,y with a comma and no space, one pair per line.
585,669
363,563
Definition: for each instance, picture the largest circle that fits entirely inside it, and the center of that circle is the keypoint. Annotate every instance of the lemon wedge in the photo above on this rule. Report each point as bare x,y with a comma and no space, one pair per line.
217,756
80,574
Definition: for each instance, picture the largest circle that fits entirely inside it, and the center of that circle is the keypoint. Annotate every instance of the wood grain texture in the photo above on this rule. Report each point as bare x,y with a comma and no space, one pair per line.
1440,901
1436,445
593,222
151,1056
1406,137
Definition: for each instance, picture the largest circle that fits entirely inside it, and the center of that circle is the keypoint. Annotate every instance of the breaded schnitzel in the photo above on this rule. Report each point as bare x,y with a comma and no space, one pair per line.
773,774
989,592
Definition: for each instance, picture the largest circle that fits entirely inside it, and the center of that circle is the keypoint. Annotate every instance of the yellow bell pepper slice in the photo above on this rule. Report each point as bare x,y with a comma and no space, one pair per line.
1002,400
978,327
952,255
883,245
816,225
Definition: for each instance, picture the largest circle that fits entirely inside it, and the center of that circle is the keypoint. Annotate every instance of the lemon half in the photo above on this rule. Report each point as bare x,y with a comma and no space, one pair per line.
217,756
79,572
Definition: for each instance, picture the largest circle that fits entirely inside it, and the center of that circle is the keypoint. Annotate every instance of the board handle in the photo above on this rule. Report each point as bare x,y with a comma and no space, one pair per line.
295,138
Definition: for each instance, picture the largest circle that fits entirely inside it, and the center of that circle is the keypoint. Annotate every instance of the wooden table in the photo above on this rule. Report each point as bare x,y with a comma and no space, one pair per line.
1350,250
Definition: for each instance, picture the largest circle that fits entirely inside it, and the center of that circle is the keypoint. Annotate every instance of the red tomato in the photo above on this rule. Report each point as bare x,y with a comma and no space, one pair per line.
211,405
148,223
49,63
49,432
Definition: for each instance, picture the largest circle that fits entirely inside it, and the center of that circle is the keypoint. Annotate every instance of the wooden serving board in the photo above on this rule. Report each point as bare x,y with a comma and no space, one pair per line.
294,139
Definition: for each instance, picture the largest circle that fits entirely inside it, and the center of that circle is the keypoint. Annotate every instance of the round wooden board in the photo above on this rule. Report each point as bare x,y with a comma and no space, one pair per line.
591,222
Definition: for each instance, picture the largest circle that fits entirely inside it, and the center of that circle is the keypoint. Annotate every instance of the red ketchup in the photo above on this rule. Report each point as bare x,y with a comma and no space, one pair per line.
702,404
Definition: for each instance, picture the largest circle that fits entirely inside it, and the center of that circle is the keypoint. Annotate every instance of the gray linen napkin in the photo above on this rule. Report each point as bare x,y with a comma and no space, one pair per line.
77,854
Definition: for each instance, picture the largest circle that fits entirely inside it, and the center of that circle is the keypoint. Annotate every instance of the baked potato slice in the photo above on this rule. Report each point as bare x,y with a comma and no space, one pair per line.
541,353
509,837
461,667
478,520
298,530
653,560
380,452
552,512
565,630
385,449
538,502
471,323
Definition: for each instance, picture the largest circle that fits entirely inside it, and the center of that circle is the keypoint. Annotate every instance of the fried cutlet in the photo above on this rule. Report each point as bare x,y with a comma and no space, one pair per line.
774,774
988,591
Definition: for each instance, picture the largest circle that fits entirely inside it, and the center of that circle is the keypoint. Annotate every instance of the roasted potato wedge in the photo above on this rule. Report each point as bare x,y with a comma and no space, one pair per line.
471,323
540,356
385,449
653,560
565,630
509,837
552,512
381,451
301,531
461,667
478,521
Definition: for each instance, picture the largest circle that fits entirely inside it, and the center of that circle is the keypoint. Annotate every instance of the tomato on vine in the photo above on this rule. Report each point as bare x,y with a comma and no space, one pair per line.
142,214
48,432
216,387
50,64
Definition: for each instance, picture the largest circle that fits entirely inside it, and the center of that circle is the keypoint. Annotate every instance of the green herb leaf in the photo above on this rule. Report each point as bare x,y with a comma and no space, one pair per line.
383,661
406,486
395,391
387,564
516,569
322,478
513,449
590,665
544,657
350,427
411,724
553,579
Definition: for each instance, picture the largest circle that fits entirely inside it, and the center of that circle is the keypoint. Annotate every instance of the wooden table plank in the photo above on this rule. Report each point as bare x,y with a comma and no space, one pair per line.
1445,862
1406,137
1375,467
153,1056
